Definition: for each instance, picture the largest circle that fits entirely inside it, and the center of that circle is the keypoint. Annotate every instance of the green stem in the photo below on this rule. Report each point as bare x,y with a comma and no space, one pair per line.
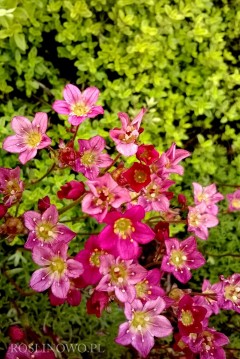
45,175
71,205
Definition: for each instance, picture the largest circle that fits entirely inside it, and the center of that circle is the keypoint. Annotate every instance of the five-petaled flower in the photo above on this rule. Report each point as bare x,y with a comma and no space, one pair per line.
57,269
30,136
78,105
10,185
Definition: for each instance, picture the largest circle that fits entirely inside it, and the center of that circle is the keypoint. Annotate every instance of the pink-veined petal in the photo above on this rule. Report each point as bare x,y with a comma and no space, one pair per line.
27,155
90,96
72,94
40,121
41,280
61,107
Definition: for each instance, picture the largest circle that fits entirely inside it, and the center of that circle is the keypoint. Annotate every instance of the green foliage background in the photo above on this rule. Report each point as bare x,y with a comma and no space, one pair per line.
180,59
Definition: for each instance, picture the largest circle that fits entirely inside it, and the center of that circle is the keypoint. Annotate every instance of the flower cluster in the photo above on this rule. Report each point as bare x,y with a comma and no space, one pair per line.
133,260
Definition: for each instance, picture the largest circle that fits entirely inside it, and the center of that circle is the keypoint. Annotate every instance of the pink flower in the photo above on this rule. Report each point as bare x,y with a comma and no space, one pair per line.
21,351
10,185
125,137
233,201
155,196
181,257
149,288
57,269
210,298
199,221
73,298
207,195
208,343
78,105
144,323
71,190
168,161
90,258
44,228
119,276
30,136
90,157
124,231
104,192
230,293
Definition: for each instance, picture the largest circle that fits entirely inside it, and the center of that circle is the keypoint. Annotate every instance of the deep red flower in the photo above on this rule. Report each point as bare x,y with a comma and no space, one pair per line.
66,154
16,333
147,154
190,316
97,303
162,231
138,176
71,190
3,210
43,204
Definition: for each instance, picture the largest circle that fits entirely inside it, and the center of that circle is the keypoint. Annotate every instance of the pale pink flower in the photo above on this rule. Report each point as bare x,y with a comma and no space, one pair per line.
144,323
230,293
104,192
30,136
119,276
90,157
181,257
10,185
125,137
149,288
78,105
208,195
210,298
168,161
124,231
57,269
199,220
155,196
44,228
233,201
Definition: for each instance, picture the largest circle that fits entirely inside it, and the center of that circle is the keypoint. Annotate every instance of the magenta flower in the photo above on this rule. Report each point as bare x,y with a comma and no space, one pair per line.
144,323
207,195
230,293
57,269
125,137
155,195
208,343
104,192
30,136
124,231
233,201
44,228
10,185
78,105
168,161
90,157
149,288
181,257
119,276
199,221
71,190
90,258
21,351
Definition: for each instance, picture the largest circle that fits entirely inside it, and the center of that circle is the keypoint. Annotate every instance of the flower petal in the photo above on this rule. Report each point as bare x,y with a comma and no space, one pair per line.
40,121
41,280
72,94
61,107
90,96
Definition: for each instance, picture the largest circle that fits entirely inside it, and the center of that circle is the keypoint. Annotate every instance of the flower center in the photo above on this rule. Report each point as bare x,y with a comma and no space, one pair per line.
118,274
33,139
232,293
45,231
187,317
153,192
103,196
58,265
139,176
236,203
12,189
94,259
140,320
177,258
79,109
88,158
123,228
142,289
194,219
